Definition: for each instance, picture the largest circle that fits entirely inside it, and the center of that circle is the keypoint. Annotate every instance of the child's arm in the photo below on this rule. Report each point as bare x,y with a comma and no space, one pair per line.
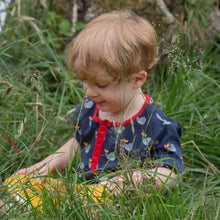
160,176
57,161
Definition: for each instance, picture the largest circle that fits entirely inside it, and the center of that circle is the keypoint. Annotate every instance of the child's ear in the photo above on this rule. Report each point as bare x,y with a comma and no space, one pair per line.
140,78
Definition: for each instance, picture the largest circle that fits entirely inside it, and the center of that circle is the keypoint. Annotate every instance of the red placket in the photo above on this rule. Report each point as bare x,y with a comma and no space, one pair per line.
99,143
103,129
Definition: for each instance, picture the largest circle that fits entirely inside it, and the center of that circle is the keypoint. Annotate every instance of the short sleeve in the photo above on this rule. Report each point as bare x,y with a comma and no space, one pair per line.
166,148
76,121
82,119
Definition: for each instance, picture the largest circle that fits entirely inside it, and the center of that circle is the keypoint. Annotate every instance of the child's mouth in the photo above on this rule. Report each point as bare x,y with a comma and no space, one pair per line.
99,103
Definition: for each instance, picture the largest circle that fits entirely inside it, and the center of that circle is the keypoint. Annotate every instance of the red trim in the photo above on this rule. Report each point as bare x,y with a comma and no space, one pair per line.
98,144
118,124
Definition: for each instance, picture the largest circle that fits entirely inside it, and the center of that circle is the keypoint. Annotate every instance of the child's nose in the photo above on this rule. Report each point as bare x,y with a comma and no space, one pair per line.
89,89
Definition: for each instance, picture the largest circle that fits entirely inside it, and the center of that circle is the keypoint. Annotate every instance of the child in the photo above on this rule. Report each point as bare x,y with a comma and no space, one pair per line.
117,125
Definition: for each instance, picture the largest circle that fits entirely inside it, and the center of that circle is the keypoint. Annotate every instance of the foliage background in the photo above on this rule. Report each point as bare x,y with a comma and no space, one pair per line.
38,96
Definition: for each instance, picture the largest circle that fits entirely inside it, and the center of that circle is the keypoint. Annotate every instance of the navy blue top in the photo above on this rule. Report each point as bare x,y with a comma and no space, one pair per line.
148,135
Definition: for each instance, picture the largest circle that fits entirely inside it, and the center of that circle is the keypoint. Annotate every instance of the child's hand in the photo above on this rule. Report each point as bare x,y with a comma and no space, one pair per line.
34,170
57,161
114,185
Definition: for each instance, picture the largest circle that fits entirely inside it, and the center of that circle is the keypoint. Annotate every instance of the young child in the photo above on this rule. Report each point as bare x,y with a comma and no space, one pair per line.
117,125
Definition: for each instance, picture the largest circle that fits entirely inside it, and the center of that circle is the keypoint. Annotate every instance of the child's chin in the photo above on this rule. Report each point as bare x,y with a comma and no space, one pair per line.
101,106
103,109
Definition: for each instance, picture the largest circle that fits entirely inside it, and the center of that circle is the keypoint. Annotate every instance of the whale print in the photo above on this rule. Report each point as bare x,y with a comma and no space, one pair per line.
151,101
119,129
128,146
102,177
82,165
111,156
96,134
146,141
88,104
87,148
141,120
90,121
79,131
90,162
165,122
170,147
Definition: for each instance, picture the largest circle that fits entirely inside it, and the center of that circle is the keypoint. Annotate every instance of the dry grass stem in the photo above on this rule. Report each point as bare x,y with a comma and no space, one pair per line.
74,16
7,90
18,2
7,83
44,3
36,28
20,131
213,168
169,17
36,110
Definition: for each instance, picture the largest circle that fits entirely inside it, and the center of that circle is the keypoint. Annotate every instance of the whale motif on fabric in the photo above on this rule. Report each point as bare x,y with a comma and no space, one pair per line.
119,130
111,156
141,120
87,148
146,141
102,177
88,104
170,147
90,121
165,122
128,146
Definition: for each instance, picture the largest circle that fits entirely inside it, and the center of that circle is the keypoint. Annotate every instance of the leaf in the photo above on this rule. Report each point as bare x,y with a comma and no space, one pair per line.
65,28
79,25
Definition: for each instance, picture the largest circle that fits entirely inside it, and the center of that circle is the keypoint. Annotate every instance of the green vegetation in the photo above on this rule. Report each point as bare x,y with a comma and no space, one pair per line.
37,97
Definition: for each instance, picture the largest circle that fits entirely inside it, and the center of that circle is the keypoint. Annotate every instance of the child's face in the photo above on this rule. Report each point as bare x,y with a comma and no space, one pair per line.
108,95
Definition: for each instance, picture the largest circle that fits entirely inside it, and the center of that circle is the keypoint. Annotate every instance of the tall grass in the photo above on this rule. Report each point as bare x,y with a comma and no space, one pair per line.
37,97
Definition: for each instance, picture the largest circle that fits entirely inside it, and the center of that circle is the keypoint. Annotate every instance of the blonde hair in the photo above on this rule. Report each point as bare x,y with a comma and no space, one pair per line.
120,42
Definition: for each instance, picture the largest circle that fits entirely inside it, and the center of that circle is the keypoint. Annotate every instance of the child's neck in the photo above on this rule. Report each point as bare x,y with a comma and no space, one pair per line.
127,112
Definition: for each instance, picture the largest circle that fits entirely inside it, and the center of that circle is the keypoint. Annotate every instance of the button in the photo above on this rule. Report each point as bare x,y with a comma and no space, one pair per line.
102,127
105,123
99,141
102,133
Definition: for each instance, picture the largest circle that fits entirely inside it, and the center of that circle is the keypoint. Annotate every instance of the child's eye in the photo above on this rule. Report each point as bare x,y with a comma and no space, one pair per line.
102,86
